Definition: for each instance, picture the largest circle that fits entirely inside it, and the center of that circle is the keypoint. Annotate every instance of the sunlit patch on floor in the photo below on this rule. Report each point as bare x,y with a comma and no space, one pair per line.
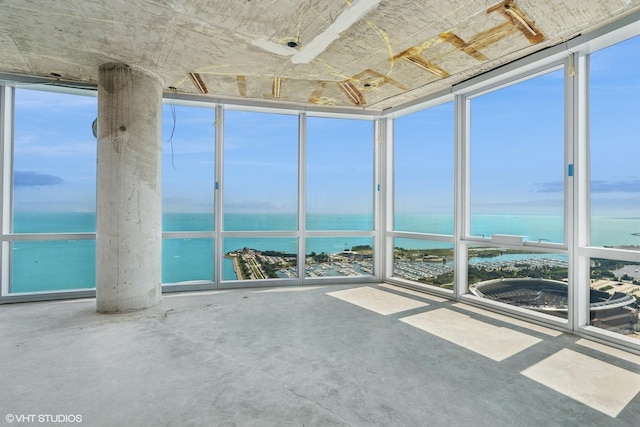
378,301
488,340
602,386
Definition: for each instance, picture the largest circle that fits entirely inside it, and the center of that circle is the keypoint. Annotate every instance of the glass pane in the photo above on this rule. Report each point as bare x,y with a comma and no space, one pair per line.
54,222
260,258
517,160
614,141
339,256
188,179
184,221
535,281
54,178
339,174
614,296
424,261
423,171
529,226
186,260
257,222
260,171
53,265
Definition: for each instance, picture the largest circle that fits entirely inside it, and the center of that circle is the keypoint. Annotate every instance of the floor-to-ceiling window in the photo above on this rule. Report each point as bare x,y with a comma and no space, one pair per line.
188,186
260,202
516,195
53,189
423,196
517,158
339,198
614,189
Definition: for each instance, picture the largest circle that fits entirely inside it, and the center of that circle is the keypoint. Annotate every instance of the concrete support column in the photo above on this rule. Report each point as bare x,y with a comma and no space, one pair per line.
129,209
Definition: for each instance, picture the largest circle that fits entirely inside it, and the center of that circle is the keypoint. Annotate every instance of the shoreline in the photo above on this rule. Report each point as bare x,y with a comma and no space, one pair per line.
236,267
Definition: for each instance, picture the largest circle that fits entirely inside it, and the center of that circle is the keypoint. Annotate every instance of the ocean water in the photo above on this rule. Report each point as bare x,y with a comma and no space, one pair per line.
70,264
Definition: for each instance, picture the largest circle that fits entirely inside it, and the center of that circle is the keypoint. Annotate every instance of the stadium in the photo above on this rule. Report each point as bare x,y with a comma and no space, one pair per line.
617,311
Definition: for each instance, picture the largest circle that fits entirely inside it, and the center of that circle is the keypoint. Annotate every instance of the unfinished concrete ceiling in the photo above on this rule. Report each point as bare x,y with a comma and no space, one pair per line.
370,54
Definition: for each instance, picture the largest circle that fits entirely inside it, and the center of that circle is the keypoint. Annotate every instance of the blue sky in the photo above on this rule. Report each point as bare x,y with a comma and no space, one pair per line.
261,162
517,148
261,158
55,152
424,162
615,129
188,159
517,163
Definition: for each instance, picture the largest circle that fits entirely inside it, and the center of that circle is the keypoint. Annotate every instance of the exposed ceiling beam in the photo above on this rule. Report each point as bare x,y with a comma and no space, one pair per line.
198,83
518,18
352,92
277,86
421,62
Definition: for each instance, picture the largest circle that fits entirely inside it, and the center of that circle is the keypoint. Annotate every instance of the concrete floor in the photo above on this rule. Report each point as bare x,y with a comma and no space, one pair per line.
324,356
